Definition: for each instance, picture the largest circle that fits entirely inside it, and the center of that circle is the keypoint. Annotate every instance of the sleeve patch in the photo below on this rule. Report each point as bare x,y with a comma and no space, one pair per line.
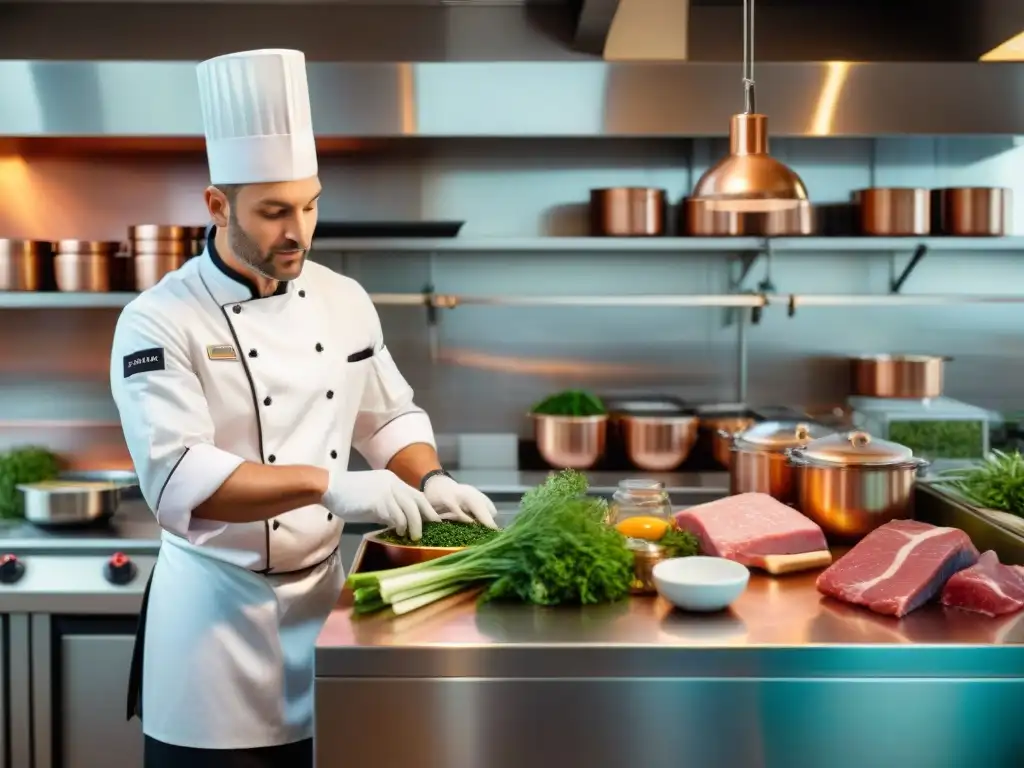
144,360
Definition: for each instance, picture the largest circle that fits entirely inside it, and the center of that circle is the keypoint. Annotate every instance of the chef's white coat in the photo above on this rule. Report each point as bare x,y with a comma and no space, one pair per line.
207,375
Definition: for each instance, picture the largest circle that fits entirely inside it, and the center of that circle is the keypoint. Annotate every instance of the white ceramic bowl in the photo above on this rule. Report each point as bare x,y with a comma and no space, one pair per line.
700,583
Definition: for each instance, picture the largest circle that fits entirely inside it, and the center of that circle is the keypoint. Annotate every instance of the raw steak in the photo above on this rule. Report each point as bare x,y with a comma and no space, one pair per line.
987,587
898,567
748,526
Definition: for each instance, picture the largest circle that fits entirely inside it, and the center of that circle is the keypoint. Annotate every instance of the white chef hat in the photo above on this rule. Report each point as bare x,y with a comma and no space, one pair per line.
256,117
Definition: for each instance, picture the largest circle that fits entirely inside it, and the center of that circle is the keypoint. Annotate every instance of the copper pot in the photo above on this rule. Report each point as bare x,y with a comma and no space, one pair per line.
850,484
722,430
23,264
974,211
627,212
150,269
139,247
760,462
700,218
658,443
83,272
570,442
894,211
84,265
160,232
914,377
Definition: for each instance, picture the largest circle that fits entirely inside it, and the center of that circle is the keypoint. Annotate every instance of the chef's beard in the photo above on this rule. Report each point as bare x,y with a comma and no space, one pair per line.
248,252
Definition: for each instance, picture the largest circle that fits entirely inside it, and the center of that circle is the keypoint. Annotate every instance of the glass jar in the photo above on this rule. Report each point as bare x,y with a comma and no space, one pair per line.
640,498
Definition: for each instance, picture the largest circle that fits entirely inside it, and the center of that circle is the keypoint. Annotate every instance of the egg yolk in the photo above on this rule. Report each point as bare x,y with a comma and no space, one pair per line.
648,528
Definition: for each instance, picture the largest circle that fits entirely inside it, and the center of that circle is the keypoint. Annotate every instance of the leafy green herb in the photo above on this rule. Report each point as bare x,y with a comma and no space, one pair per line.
23,465
679,543
572,402
996,483
443,534
557,550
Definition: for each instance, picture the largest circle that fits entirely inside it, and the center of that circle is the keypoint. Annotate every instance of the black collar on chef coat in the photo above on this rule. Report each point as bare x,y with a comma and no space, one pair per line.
230,285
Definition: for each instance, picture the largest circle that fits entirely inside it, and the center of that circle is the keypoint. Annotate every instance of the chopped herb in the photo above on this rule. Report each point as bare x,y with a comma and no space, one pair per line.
443,534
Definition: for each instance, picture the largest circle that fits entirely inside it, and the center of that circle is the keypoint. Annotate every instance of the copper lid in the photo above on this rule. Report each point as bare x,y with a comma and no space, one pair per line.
780,435
855,448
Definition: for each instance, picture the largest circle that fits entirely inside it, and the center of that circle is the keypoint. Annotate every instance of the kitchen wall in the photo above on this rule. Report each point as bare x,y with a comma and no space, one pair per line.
494,362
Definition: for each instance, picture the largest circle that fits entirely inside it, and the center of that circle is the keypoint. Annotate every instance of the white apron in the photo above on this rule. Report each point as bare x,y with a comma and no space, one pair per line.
205,376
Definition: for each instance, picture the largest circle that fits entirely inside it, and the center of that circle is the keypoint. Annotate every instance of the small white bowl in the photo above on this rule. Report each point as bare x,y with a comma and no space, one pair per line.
700,583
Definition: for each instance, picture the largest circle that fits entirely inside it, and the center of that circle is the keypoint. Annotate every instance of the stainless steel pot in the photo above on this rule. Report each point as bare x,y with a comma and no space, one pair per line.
851,483
70,502
759,462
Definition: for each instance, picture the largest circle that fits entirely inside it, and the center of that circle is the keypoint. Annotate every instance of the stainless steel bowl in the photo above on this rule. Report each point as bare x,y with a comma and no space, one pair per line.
658,443
70,502
570,442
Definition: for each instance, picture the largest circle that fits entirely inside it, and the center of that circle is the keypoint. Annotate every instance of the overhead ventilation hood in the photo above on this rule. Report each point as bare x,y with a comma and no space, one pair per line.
532,99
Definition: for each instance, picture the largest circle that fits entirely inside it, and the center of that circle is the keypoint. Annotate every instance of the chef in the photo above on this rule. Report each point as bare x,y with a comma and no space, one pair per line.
243,380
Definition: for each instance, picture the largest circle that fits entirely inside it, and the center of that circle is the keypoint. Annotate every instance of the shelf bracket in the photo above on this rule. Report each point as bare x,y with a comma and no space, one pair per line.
919,253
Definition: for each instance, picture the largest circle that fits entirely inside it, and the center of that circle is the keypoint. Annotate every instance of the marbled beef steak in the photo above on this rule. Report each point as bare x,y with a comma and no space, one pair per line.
987,587
898,567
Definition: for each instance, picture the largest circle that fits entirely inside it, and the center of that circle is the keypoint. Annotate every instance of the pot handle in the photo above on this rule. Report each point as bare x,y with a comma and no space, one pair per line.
858,439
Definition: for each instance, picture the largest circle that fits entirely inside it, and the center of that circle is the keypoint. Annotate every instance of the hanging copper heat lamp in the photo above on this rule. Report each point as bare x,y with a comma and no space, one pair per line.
748,192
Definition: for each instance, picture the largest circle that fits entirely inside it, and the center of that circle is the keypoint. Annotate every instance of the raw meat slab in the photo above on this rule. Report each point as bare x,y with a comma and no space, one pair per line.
987,587
898,567
749,526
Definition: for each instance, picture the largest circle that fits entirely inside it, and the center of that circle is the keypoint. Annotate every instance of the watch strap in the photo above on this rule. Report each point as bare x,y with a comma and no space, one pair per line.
430,474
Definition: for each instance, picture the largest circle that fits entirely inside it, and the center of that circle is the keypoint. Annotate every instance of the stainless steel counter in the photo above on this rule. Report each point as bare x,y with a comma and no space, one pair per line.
785,679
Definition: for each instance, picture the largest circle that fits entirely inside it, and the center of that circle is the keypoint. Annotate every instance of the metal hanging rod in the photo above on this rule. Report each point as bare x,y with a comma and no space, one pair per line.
792,301
449,301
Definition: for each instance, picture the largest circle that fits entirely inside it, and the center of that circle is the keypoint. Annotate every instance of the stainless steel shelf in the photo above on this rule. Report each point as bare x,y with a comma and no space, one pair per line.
57,300
778,245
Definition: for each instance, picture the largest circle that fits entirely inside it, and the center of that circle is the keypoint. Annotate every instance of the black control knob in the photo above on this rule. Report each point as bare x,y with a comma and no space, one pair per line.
11,569
120,570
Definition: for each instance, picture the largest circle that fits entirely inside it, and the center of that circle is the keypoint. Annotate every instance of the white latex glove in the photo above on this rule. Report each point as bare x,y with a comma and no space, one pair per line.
455,501
379,493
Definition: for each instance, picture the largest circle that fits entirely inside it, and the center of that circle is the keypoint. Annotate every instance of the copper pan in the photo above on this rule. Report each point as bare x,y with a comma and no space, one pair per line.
23,264
700,218
974,211
894,211
627,212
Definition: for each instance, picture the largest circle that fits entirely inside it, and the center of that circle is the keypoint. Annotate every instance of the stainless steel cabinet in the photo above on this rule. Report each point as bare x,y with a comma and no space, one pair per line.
79,682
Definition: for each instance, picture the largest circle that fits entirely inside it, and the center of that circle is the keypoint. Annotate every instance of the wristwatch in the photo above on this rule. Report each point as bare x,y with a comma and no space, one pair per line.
430,474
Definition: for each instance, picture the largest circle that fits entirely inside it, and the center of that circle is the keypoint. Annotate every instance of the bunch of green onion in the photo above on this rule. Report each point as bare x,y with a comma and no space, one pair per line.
557,550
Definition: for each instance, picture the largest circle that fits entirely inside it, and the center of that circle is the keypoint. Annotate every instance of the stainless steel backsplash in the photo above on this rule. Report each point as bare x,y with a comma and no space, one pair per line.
494,362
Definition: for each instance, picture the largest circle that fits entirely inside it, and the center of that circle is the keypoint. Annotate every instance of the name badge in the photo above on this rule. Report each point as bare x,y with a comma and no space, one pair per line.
144,360
221,352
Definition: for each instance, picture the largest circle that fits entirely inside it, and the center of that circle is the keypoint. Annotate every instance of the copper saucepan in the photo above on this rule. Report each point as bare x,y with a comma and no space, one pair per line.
974,211
627,212
914,377
894,211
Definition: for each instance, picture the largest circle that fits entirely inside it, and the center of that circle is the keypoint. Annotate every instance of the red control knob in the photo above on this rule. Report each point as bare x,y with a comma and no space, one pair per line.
11,569
120,569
